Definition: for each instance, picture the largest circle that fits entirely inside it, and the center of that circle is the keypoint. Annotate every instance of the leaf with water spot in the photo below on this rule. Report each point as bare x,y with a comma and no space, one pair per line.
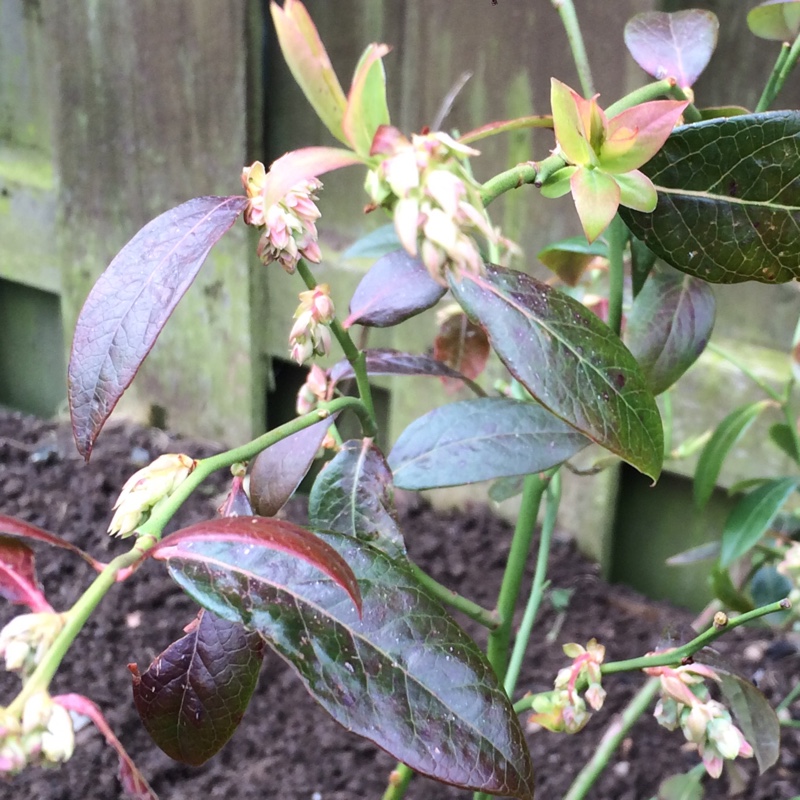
569,360
728,199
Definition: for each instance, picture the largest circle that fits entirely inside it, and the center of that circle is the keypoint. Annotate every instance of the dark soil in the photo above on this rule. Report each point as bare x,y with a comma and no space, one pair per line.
286,746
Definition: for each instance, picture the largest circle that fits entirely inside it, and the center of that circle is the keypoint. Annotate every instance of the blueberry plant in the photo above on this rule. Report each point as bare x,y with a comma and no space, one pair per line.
713,194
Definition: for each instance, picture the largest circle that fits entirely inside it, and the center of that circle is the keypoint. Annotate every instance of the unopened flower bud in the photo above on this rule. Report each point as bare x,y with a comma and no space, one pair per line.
58,739
26,638
313,391
147,487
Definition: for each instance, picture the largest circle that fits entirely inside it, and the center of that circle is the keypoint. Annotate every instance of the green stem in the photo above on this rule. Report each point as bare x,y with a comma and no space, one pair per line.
489,619
569,19
745,370
674,657
690,113
616,236
612,738
355,356
499,639
506,181
789,699
552,501
507,126
785,63
398,782
644,94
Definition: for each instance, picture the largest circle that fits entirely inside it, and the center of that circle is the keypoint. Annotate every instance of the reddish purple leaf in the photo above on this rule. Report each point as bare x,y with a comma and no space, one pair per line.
393,362
677,45
132,301
133,782
396,287
18,527
237,503
18,583
193,695
300,165
463,346
259,532
278,470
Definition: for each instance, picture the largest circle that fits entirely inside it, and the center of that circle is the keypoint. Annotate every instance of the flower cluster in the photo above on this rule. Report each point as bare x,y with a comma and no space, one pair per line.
310,334
313,391
147,487
685,702
290,230
436,205
564,710
26,638
43,735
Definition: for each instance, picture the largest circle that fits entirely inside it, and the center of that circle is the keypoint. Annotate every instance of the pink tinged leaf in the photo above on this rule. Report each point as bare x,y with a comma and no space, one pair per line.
463,346
132,301
501,126
18,582
636,191
133,782
261,533
596,197
366,103
637,134
277,471
301,165
193,695
677,45
394,362
396,287
568,123
18,527
559,183
775,19
387,140
309,63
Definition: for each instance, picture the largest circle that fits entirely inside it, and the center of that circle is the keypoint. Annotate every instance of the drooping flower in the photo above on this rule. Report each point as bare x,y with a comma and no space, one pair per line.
434,201
26,638
290,230
604,155
313,391
310,334
147,487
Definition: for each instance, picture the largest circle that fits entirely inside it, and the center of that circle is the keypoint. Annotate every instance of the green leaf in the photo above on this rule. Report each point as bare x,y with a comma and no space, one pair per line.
194,694
728,199
757,720
687,786
723,589
404,675
703,552
775,19
769,586
752,517
366,103
505,488
309,64
354,495
782,436
479,440
669,326
569,258
724,438
569,360
642,261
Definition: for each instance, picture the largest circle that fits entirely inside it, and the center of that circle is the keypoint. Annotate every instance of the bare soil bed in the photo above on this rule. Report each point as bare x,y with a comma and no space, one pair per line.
286,747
